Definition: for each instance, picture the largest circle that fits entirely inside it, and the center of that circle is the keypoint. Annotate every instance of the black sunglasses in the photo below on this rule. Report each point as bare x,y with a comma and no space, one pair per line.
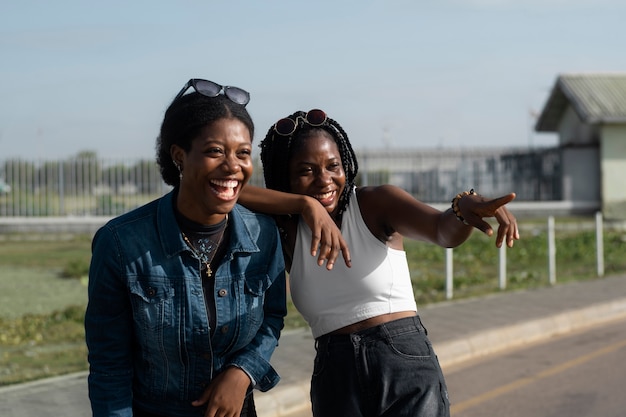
286,126
211,89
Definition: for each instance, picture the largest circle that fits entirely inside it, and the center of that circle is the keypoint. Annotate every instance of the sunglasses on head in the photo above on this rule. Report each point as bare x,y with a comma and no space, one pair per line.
286,126
210,89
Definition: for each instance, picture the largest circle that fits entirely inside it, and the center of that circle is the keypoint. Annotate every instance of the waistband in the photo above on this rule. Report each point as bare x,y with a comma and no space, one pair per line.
379,332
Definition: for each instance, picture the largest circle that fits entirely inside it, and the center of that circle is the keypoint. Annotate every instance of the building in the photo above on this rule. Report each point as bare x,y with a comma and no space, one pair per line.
588,112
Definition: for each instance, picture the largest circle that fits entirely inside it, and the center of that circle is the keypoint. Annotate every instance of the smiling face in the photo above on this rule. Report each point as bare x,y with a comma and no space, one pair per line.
315,170
214,170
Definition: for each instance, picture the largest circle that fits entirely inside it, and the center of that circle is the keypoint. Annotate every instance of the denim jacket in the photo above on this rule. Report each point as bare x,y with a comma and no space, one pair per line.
147,328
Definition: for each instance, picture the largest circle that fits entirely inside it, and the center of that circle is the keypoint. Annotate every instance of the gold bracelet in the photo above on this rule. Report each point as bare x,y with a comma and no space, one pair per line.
455,204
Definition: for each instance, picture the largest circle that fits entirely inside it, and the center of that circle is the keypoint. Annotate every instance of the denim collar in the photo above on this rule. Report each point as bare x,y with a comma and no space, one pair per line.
172,239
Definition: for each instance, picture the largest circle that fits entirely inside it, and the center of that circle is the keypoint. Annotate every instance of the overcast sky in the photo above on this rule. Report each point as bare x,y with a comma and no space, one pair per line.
82,75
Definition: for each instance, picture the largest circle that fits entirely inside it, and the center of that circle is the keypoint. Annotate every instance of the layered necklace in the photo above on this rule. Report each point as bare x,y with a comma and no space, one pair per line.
205,244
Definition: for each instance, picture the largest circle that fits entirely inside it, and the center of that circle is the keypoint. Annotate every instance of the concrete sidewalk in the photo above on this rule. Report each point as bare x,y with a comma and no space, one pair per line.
460,330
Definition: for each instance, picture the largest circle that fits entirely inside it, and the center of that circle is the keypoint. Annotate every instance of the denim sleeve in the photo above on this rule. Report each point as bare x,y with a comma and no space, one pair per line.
108,330
254,359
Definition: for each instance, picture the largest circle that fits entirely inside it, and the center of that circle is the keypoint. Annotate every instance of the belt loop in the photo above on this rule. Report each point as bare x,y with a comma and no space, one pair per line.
321,343
385,330
419,324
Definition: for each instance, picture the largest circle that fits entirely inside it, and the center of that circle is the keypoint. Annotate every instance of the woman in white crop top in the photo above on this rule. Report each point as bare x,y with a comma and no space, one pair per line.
373,355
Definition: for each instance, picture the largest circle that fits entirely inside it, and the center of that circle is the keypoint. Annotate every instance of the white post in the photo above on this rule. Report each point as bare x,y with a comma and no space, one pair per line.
449,274
599,244
551,251
502,273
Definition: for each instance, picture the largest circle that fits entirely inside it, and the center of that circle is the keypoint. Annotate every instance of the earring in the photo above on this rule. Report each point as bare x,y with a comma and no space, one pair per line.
180,171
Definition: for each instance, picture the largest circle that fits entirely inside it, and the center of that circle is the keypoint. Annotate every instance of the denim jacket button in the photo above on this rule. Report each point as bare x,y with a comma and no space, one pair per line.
224,329
151,292
222,292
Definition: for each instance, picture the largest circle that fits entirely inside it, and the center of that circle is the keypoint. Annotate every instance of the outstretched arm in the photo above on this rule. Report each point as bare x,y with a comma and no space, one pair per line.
390,208
326,234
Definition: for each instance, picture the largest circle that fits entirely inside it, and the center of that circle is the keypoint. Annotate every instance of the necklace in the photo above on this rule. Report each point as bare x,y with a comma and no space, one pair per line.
205,248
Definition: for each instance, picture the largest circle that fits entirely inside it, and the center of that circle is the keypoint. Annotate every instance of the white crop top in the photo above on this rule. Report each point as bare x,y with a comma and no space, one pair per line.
377,283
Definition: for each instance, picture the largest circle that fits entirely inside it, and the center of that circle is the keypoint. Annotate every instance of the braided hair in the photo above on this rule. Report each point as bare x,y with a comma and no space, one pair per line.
277,150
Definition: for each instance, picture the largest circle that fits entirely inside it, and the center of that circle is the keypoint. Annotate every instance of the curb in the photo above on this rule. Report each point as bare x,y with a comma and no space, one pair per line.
53,380
516,335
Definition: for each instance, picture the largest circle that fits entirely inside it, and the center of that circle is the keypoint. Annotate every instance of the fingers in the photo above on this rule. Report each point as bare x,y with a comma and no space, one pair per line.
316,242
204,398
327,244
508,230
329,250
346,254
326,241
475,209
505,199
225,394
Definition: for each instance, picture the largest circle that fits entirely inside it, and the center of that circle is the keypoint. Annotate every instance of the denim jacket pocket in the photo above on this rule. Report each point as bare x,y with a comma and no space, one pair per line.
255,286
152,302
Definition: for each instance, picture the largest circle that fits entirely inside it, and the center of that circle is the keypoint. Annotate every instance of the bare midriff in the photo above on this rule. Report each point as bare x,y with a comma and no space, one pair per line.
373,321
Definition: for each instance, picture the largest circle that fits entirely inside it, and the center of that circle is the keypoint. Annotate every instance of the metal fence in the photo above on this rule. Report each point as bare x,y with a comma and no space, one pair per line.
91,186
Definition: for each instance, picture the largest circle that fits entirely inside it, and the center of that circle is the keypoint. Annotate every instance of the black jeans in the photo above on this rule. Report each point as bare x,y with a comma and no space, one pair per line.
387,370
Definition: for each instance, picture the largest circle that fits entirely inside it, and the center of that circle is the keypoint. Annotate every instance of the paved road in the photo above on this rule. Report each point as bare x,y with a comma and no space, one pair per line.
580,374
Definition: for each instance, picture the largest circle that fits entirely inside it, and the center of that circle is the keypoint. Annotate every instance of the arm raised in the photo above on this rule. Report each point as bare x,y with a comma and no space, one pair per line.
326,234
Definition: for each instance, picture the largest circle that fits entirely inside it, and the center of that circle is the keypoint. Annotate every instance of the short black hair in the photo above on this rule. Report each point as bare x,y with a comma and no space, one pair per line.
183,120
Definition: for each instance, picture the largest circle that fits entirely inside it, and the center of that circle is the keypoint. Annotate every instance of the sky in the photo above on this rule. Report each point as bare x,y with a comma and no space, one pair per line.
97,76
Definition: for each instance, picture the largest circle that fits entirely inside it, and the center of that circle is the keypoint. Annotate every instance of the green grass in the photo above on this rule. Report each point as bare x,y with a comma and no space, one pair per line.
41,345
476,263
42,301
43,287
38,291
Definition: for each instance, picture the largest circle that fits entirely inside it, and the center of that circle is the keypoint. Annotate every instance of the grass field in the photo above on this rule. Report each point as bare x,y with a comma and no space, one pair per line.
43,287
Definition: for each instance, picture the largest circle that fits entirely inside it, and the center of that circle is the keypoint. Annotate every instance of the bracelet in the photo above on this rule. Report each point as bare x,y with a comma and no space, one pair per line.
455,204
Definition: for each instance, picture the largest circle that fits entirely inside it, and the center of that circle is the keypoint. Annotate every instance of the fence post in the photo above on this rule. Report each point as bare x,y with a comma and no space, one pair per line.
599,244
551,251
502,272
62,211
449,274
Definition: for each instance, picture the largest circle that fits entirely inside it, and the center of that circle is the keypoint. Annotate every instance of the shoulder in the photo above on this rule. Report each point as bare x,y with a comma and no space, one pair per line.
133,227
136,215
380,207
249,217
377,195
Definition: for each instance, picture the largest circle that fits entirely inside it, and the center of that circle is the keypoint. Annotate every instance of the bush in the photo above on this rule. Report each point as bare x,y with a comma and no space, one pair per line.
77,268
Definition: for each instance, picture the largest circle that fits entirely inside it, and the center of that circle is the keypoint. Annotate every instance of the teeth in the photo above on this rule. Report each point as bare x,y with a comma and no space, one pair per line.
324,196
225,188
225,183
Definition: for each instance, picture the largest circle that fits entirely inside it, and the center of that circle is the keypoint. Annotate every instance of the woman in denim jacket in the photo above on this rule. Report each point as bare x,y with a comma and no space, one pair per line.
187,293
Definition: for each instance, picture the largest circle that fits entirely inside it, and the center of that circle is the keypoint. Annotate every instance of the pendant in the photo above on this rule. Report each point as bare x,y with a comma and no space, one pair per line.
209,272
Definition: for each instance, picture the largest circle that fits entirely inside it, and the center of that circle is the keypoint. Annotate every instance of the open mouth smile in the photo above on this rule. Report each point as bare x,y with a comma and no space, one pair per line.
225,189
326,198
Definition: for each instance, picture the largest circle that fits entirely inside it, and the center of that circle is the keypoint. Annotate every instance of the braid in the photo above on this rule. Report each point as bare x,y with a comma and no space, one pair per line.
348,160
276,151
